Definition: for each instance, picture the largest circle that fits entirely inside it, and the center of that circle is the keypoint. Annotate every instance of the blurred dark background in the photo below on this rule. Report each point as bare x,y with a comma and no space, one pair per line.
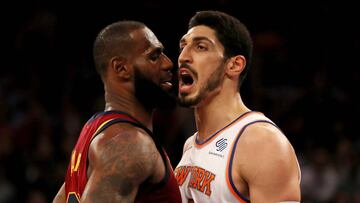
304,76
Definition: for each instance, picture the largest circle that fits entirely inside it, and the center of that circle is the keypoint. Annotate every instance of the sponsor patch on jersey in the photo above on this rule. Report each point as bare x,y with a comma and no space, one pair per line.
221,144
216,154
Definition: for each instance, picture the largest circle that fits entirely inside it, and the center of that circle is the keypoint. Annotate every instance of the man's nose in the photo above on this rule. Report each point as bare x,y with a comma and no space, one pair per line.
167,63
185,56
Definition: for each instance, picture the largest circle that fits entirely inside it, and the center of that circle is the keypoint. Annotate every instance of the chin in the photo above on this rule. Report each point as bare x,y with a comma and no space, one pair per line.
185,101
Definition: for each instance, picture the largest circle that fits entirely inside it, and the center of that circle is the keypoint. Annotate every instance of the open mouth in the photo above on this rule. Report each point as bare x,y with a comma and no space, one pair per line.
186,81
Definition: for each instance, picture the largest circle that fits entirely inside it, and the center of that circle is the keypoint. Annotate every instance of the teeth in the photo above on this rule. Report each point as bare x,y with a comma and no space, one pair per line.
167,83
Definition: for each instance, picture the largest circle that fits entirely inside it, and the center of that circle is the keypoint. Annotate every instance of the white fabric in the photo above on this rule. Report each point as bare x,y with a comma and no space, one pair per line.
203,167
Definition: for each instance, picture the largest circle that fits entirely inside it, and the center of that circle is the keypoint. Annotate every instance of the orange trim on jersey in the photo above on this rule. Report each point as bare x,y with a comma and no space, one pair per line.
240,199
199,146
234,144
73,193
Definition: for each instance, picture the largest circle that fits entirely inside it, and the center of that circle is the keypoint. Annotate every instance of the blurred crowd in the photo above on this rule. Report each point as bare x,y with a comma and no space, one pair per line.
303,76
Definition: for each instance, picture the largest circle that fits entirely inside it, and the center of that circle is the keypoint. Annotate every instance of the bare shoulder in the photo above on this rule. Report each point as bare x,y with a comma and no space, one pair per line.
265,136
124,138
269,163
120,159
268,148
123,144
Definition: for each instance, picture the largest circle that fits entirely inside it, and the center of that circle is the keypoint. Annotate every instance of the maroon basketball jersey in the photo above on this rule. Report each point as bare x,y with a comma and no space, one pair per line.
76,176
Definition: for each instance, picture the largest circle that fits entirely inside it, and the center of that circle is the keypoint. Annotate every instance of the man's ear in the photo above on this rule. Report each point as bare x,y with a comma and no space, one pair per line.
119,66
235,65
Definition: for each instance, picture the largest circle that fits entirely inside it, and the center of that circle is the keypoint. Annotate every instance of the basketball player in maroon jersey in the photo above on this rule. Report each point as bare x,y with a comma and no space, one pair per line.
117,158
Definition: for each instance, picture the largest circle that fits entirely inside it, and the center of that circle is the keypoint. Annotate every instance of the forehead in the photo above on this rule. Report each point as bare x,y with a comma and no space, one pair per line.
200,31
150,36
146,39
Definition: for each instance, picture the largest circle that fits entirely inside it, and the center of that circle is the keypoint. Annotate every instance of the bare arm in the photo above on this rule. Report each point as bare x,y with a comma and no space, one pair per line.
60,196
270,167
119,162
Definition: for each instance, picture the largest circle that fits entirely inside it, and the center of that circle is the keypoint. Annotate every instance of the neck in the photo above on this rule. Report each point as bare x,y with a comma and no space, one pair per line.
129,104
219,111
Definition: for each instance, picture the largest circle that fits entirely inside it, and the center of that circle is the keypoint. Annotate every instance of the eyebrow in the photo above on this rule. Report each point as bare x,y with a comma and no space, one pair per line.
198,38
158,49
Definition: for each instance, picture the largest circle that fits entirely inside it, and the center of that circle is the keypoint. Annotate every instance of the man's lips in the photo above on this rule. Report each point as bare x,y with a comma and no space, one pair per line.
167,82
167,85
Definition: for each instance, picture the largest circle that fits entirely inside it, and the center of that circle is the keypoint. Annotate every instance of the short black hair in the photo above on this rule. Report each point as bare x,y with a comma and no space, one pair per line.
233,34
113,40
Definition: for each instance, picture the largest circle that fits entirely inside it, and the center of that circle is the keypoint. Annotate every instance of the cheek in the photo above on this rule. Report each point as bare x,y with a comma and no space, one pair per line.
148,71
154,75
207,61
203,77
207,68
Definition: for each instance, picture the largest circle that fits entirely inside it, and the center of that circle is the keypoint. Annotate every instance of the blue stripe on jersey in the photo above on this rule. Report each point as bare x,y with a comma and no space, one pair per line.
209,138
233,153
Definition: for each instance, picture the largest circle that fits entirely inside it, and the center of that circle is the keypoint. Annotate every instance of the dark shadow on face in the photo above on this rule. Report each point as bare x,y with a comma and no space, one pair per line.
151,95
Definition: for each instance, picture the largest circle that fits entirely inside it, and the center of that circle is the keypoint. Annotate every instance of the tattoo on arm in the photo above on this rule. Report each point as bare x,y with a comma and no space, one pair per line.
122,164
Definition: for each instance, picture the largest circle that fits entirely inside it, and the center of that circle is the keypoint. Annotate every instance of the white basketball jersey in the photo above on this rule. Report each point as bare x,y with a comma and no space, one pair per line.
204,170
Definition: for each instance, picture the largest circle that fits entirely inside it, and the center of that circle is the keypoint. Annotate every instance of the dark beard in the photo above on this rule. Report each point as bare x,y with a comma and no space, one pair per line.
152,95
213,82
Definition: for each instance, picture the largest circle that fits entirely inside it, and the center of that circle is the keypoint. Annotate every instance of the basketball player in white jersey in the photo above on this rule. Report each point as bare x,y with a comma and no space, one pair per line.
237,155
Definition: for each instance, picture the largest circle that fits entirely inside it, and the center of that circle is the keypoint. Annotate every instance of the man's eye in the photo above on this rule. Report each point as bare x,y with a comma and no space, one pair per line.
200,47
154,57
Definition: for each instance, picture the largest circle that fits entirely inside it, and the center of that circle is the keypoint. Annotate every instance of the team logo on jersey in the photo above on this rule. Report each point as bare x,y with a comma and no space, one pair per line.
200,179
75,161
221,144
